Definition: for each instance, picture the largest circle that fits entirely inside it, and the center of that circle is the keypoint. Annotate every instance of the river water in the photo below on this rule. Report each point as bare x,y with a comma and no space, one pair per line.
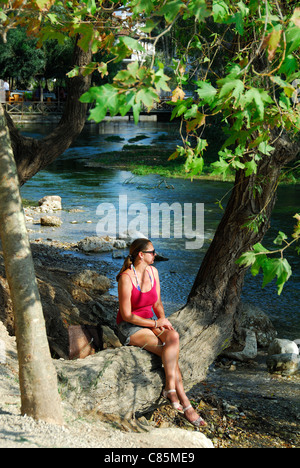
87,189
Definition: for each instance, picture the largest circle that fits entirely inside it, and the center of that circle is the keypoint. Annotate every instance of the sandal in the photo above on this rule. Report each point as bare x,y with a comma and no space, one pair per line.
176,405
198,423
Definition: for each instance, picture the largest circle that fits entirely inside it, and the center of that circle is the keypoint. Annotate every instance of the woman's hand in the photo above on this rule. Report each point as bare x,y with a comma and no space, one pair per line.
164,323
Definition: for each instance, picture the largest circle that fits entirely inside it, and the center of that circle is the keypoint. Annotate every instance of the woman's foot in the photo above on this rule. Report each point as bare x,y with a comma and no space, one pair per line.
171,395
193,417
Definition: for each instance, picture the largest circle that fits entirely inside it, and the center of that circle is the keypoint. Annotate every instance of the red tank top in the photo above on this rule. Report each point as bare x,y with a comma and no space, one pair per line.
141,302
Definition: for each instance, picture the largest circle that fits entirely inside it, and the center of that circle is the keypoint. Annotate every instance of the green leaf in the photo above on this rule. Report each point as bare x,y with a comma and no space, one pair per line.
141,6
98,113
192,112
206,92
265,148
131,43
220,11
280,238
150,25
236,87
136,108
221,167
251,167
86,32
196,167
197,8
127,101
106,97
289,65
293,39
278,267
171,9
147,96
73,73
259,248
259,97
247,259
90,68
91,6
161,79
289,90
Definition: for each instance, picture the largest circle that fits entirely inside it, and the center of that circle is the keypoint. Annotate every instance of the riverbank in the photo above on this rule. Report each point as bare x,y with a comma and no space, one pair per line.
143,159
243,405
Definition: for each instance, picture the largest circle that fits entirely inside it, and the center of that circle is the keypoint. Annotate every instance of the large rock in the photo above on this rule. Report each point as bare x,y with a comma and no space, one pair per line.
281,346
50,203
248,352
66,300
251,317
284,364
90,279
97,244
51,221
173,438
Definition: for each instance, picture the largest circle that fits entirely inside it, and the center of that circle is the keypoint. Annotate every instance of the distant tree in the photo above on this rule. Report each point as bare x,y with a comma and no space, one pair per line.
19,58
58,59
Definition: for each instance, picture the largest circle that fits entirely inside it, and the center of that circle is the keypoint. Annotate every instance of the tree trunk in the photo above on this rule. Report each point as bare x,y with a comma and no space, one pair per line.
209,316
38,380
32,155
129,380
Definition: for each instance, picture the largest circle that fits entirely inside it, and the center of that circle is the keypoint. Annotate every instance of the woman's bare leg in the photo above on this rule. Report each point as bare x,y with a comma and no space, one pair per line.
190,414
166,345
167,349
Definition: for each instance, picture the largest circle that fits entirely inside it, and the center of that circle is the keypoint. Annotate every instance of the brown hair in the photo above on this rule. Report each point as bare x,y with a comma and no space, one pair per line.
137,246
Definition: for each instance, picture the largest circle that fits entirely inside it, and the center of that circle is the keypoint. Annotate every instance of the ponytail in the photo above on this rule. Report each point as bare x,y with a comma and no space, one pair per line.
137,246
127,264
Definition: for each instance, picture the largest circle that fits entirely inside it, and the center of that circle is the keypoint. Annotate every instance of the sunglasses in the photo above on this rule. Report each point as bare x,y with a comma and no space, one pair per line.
149,251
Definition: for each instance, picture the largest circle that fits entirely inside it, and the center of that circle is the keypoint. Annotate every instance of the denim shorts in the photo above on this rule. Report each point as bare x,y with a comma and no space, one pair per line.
125,330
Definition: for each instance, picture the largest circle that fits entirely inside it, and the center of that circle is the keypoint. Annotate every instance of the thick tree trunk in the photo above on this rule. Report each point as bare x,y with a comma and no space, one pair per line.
32,155
210,311
38,380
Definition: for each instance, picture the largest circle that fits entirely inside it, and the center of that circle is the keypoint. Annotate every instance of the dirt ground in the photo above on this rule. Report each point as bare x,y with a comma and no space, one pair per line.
244,406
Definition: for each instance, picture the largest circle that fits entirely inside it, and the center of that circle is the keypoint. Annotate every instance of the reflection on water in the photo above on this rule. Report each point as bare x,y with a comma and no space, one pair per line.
85,188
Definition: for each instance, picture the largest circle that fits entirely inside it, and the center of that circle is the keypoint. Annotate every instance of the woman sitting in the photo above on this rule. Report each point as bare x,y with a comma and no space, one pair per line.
139,296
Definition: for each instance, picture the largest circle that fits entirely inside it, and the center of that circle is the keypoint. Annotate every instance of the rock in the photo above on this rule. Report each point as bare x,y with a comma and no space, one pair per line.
280,346
51,221
252,318
91,280
284,364
95,244
160,258
119,255
119,244
174,438
50,203
110,340
249,352
101,244
297,343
